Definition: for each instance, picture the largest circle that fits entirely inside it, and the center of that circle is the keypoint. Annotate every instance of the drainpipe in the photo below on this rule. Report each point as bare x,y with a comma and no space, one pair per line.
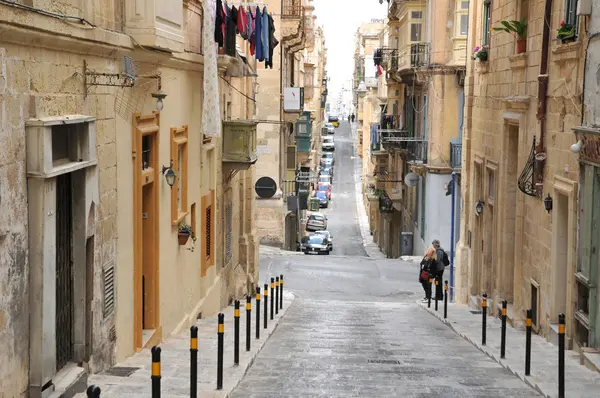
540,157
452,221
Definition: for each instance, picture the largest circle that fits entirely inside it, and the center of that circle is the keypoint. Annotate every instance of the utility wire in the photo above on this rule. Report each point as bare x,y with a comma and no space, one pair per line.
230,85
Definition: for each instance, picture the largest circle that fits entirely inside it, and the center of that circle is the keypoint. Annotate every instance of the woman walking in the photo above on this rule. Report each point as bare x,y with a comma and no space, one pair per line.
428,267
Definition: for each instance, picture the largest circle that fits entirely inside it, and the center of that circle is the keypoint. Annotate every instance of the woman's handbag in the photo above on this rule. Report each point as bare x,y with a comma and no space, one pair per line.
424,276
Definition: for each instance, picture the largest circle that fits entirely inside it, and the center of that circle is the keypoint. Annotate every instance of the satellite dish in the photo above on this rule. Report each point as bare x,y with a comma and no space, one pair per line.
265,187
411,180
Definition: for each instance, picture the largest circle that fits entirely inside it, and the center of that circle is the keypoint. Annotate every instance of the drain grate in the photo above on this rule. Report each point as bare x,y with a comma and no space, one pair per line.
475,312
121,371
384,361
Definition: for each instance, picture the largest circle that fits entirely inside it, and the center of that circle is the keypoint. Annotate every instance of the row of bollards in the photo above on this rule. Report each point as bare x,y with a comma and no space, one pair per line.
276,304
528,330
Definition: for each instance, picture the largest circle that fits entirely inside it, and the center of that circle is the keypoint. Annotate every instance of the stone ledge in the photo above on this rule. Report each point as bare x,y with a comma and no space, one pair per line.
518,61
566,52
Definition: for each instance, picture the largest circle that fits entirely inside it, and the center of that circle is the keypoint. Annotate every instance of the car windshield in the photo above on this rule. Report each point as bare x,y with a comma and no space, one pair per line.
316,239
323,233
323,188
325,171
327,156
321,195
317,217
324,178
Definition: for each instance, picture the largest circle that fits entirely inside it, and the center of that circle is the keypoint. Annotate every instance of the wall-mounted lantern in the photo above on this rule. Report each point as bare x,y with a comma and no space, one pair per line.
169,174
548,203
479,207
159,95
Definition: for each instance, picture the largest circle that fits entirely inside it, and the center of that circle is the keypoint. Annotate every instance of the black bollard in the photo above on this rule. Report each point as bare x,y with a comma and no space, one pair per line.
484,318
266,298
528,344
248,321
93,392
258,312
445,299
276,295
429,293
236,333
436,296
220,335
155,372
561,355
281,291
272,297
194,361
503,331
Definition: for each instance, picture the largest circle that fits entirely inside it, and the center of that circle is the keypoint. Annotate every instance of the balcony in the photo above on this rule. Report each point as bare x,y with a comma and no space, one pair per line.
303,133
386,206
393,63
417,150
413,55
292,9
156,24
239,144
456,155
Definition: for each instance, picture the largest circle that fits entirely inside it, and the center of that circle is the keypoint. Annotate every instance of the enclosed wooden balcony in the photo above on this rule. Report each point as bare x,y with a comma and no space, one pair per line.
239,144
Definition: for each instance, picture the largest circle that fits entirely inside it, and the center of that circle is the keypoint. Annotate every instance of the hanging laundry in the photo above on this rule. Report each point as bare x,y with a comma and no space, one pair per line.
251,36
258,36
378,57
219,23
211,112
273,42
265,33
243,23
231,32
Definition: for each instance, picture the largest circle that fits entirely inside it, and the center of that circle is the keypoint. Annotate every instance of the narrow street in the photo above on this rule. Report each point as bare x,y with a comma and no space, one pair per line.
355,329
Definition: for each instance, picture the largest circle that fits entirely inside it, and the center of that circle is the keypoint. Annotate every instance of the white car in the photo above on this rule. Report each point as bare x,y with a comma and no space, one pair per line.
324,178
316,222
330,128
328,144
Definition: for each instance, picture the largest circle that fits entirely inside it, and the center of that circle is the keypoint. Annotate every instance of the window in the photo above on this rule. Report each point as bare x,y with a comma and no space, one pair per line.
228,231
193,218
208,232
415,31
62,135
464,5
463,24
416,14
571,13
491,185
179,158
487,17
193,27
146,151
207,227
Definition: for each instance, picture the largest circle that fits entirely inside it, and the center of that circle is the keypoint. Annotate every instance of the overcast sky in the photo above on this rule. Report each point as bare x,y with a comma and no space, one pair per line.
340,19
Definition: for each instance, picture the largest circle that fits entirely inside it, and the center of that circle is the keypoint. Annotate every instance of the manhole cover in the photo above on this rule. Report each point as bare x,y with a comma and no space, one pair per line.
385,361
121,371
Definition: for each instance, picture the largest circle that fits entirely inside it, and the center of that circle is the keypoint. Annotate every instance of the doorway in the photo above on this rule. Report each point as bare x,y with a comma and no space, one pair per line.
146,243
478,241
64,271
506,280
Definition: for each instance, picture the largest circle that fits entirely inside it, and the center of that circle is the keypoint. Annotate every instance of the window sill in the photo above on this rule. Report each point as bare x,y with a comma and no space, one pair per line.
482,66
566,51
518,61
180,217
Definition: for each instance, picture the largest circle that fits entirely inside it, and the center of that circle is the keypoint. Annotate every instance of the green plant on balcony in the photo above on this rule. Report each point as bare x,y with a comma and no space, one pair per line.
517,28
481,53
566,32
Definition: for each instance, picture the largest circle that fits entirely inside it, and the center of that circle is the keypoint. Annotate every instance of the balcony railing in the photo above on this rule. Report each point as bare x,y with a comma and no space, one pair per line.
288,188
390,123
417,150
456,155
385,204
419,54
292,9
393,64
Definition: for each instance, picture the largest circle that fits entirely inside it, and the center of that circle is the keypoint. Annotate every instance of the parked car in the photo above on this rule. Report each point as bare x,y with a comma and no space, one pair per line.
330,128
323,200
327,158
325,187
328,144
329,237
328,170
316,244
316,222
324,178
333,119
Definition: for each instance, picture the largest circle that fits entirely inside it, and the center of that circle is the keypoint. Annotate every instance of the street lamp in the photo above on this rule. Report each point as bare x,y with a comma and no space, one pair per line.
548,203
479,207
169,174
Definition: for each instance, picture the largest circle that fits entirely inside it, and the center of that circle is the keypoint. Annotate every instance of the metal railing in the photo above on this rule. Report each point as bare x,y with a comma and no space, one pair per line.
393,64
456,155
292,9
288,188
390,123
419,54
417,150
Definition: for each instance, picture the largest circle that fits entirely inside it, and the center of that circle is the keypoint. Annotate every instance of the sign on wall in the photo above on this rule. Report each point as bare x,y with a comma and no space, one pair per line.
291,99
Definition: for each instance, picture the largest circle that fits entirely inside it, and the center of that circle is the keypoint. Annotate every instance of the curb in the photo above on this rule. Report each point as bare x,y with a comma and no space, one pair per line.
504,364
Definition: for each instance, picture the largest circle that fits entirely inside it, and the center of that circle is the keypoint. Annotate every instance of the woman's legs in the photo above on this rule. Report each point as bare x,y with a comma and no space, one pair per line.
426,288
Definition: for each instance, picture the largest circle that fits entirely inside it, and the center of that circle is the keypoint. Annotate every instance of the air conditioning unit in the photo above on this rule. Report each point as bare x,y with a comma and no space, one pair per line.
584,7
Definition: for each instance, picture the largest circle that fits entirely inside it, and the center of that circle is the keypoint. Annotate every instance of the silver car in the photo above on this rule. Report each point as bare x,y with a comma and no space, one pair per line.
327,236
316,222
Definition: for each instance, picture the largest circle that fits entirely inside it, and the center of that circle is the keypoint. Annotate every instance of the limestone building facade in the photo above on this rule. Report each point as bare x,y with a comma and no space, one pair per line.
520,180
101,104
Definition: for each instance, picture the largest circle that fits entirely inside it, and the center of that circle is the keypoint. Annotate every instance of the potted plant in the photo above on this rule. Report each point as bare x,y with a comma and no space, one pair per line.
519,29
481,53
185,233
566,32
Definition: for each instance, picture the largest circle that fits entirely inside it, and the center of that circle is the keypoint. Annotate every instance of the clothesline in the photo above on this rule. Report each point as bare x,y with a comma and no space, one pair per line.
246,4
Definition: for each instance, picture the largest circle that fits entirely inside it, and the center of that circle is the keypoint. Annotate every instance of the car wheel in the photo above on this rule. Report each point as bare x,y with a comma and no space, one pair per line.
327,253
306,253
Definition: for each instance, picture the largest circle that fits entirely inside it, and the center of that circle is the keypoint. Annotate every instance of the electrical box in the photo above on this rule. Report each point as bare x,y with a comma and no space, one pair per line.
584,7
314,204
406,245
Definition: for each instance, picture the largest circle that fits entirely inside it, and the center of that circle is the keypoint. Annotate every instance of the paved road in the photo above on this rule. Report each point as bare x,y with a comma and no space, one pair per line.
342,215
355,330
